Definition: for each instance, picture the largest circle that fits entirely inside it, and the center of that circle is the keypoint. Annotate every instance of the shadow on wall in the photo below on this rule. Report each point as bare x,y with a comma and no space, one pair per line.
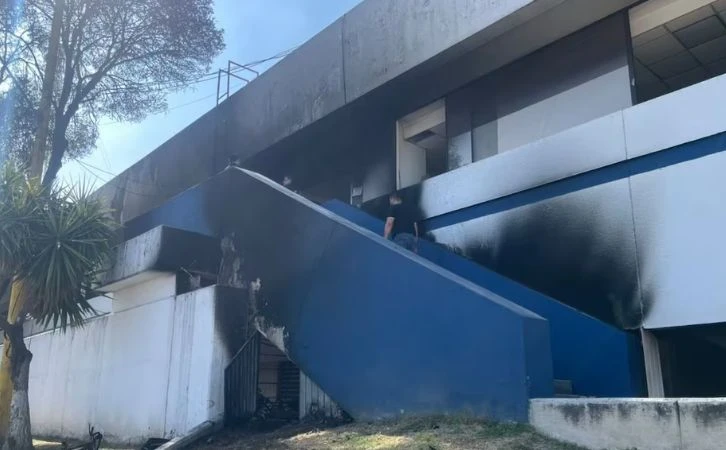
560,250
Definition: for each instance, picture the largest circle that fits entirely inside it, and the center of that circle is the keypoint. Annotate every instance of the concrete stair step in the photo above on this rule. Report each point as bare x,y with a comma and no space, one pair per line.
563,387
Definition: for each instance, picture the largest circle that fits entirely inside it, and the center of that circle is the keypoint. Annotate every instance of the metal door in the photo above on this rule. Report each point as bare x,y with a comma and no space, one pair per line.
240,382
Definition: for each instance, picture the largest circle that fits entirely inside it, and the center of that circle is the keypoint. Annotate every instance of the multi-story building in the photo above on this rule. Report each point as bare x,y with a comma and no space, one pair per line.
575,147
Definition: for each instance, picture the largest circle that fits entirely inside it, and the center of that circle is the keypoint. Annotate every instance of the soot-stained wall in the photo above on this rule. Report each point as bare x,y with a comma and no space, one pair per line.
664,159
629,236
331,297
576,79
572,240
680,221
614,370
578,248
570,82
307,109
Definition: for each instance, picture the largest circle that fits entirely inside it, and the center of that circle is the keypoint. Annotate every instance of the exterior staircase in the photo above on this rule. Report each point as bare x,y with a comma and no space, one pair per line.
382,331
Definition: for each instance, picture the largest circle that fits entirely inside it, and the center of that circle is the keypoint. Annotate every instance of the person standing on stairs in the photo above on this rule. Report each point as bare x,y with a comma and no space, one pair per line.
287,184
400,225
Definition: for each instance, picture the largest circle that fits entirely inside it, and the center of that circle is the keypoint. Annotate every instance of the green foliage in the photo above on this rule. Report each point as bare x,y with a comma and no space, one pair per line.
55,240
118,60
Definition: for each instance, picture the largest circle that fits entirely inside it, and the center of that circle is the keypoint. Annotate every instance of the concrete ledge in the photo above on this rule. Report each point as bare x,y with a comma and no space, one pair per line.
162,249
703,423
684,424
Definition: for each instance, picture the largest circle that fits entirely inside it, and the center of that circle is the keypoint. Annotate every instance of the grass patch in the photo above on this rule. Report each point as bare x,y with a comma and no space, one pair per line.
417,433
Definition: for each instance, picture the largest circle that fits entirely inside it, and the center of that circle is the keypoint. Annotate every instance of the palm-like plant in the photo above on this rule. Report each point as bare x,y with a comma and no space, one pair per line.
53,241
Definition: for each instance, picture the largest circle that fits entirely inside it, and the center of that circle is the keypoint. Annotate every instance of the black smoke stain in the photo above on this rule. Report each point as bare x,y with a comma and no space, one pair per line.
231,317
574,412
626,410
597,411
558,249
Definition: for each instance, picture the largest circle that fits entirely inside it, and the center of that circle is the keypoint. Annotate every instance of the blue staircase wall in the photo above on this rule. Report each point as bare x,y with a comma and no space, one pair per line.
599,359
383,331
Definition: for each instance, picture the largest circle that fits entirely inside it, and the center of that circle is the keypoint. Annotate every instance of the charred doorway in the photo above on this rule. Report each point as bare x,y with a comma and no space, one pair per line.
278,388
262,386
265,389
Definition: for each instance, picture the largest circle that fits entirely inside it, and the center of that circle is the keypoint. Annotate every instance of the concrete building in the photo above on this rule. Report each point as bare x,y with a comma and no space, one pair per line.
564,158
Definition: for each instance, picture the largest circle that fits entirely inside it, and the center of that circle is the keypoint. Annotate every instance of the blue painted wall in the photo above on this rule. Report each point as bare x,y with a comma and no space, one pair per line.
383,331
600,359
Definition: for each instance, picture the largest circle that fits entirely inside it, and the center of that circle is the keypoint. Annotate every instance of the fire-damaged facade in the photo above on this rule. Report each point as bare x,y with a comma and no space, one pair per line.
563,160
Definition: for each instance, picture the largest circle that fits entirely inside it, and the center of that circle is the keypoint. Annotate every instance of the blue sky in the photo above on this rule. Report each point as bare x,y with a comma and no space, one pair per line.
253,30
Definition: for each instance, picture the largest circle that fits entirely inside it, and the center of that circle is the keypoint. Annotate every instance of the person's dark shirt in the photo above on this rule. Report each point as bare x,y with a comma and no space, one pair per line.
403,219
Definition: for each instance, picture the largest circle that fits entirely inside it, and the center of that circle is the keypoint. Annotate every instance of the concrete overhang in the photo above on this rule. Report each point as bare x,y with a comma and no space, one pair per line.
161,249
383,58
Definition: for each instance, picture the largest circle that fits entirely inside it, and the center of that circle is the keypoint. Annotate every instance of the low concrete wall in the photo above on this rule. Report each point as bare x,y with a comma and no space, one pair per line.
662,424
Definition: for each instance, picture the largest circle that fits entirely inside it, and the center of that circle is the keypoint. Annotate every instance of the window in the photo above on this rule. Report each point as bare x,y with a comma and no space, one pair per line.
677,43
421,147
576,79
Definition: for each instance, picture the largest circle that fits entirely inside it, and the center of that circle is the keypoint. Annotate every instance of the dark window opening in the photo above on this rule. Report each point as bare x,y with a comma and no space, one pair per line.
693,360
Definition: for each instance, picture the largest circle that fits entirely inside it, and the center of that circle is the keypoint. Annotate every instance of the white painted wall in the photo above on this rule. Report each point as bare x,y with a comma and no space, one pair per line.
154,367
52,411
161,286
198,359
679,218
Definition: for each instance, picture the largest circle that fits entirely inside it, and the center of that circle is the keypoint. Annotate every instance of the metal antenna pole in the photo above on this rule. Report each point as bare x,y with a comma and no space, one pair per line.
219,81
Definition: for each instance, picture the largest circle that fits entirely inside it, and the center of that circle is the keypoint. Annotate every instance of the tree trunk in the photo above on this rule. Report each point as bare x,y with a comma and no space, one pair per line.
17,301
19,436
59,145
6,389
37,155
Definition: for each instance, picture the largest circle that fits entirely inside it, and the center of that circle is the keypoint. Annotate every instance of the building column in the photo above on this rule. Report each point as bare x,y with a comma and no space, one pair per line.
653,370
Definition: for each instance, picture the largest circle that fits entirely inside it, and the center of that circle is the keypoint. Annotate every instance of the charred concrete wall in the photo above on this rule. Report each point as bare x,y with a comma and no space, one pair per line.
614,370
618,217
384,57
335,298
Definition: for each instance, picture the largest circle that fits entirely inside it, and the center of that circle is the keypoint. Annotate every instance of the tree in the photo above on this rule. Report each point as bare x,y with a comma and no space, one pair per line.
18,123
10,46
118,59
37,154
17,126
52,243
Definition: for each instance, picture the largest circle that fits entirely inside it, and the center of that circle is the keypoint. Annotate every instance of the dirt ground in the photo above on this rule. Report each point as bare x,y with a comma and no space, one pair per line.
412,434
